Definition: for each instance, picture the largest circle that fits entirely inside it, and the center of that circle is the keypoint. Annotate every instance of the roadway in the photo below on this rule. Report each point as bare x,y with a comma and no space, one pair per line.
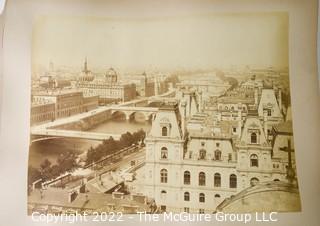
110,180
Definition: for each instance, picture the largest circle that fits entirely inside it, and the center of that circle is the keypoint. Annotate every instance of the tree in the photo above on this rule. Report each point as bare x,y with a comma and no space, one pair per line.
45,165
33,175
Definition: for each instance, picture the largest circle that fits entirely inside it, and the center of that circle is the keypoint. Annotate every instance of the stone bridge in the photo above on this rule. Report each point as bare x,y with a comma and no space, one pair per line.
130,112
58,133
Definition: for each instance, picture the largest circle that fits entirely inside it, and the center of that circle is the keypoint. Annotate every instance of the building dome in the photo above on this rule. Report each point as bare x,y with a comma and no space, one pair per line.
111,75
268,196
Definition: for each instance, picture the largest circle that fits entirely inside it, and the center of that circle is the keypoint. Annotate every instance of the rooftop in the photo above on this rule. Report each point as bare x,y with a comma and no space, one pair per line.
93,201
284,127
56,92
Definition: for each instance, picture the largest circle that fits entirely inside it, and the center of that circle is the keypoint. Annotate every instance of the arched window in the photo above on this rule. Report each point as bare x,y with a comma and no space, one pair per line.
253,138
217,180
164,131
254,160
186,177
276,180
217,196
164,153
233,181
164,176
217,155
202,197
202,154
202,179
254,181
186,196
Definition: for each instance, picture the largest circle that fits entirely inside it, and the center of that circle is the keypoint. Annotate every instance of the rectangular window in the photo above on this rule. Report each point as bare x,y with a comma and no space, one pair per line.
163,208
269,112
201,211
186,209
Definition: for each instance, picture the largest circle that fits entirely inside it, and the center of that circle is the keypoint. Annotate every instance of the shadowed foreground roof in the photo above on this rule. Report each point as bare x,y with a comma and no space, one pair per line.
93,201
269,196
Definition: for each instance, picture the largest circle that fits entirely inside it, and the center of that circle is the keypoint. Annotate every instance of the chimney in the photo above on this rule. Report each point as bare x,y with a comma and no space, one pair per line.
72,196
239,123
265,120
183,117
82,187
280,100
256,96
200,101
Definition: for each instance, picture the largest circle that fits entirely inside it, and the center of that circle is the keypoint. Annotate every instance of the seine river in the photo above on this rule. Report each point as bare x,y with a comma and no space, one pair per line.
51,149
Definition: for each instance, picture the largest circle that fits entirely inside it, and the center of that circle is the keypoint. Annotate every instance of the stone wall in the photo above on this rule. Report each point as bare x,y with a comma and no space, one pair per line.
87,122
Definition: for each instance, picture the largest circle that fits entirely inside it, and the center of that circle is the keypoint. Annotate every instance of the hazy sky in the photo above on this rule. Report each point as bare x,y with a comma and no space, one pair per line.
199,41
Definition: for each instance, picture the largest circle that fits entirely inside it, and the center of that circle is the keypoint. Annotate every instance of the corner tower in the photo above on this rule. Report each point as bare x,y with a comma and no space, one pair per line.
164,156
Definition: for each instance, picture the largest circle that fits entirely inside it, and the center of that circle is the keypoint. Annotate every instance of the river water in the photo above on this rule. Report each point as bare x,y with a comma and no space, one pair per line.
51,149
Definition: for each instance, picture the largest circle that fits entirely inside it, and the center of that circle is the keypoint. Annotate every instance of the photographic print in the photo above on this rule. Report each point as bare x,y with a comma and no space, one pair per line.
161,114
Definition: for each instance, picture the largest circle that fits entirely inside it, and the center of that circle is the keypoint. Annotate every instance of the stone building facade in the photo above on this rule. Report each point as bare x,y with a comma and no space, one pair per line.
194,168
108,88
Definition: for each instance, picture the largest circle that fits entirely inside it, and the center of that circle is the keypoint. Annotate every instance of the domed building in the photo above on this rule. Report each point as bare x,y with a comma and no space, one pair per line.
107,87
264,197
111,76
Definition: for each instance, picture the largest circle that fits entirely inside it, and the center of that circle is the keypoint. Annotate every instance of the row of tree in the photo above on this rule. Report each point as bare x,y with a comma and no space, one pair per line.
67,161
47,170
111,146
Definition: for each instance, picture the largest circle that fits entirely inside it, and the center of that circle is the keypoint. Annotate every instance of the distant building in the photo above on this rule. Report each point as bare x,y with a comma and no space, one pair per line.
108,88
147,85
144,85
42,112
89,103
53,104
208,84
67,102
252,83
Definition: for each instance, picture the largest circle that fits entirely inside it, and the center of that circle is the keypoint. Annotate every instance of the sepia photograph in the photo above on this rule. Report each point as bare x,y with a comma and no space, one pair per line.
156,114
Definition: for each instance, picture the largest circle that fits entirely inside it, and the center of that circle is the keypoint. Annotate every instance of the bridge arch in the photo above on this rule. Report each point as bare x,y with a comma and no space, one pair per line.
138,116
120,115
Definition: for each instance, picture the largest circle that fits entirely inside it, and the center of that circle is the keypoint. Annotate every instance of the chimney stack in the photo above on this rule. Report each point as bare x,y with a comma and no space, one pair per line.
200,100
239,123
72,196
183,117
265,121
256,96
